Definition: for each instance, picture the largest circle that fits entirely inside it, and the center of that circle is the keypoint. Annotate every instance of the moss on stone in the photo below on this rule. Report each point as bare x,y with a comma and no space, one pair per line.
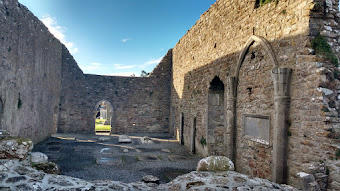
263,2
321,47
337,153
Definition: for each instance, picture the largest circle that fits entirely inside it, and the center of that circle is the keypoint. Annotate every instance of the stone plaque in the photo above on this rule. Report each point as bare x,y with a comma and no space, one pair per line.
256,127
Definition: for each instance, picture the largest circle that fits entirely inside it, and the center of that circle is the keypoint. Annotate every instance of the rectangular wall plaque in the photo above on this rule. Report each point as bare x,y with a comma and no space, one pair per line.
257,128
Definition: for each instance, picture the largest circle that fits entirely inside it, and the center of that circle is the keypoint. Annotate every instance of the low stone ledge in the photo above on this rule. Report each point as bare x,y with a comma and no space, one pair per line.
15,148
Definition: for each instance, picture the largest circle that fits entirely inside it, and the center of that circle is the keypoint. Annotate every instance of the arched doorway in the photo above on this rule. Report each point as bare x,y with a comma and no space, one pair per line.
215,130
103,115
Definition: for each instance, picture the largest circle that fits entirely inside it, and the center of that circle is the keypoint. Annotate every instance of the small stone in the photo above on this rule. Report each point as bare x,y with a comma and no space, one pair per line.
150,179
104,138
313,186
152,184
166,151
15,179
124,139
305,179
125,150
39,158
146,140
22,170
194,184
23,187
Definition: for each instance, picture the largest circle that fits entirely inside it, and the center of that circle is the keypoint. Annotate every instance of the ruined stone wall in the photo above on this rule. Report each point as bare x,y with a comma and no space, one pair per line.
73,98
30,63
212,47
140,105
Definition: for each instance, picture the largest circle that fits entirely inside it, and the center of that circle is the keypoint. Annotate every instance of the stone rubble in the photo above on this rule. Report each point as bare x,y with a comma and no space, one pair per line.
39,158
15,175
11,147
215,164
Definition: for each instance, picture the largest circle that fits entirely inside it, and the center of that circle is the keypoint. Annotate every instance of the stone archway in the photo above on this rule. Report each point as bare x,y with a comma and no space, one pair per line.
107,115
215,130
281,80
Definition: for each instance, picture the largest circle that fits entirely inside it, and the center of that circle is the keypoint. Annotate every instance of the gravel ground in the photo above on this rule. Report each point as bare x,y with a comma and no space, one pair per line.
90,157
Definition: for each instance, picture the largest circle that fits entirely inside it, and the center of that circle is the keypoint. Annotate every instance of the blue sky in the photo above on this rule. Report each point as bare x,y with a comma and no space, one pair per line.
118,37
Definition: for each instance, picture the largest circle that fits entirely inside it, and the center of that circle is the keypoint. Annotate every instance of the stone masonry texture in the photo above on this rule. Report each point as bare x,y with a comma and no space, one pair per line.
30,73
212,48
238,61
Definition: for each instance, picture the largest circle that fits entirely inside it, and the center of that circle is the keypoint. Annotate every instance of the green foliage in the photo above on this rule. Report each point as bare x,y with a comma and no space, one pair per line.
283,12
99,125
321,47
263,2
203,141
327,171
289,133
144,73
151,93
19,102
325,109
336,74
337,153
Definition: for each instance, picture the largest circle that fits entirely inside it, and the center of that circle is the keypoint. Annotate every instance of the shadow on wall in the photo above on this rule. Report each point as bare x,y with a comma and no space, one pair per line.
1,111
254,94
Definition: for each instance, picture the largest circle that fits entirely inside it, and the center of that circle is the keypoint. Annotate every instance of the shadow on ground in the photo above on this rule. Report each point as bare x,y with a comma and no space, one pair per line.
93,157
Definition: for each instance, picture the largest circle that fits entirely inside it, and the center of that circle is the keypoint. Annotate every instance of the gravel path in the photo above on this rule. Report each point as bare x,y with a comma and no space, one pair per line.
92,157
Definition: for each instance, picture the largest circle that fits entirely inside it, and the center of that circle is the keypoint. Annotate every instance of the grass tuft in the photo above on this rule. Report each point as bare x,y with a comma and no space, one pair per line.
321,47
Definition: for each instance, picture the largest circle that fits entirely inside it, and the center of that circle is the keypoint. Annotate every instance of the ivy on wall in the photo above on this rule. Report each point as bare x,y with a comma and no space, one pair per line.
321,47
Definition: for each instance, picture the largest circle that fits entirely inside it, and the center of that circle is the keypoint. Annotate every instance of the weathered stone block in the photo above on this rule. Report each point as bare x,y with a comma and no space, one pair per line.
215,163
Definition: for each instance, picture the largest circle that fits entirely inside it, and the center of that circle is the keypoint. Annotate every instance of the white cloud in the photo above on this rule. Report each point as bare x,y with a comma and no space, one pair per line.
58,32
121,74
126,39
92,67
120,67
152,61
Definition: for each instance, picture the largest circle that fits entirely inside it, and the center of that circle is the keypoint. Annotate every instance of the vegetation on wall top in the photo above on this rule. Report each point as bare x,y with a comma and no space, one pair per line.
263,2
321,47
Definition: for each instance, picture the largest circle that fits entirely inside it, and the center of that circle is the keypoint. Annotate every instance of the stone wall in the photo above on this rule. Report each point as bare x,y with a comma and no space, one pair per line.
140,105
242,45
29,73
43,90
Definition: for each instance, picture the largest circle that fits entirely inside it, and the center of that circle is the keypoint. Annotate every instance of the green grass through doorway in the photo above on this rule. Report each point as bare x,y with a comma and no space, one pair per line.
99,126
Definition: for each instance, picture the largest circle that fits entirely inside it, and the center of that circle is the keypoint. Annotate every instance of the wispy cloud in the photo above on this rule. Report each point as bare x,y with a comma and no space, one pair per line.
93,67
58,32
152,61
120,67
126,39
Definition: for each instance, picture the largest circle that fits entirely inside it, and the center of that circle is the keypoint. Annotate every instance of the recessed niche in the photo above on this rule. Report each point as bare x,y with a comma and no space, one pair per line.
257,128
